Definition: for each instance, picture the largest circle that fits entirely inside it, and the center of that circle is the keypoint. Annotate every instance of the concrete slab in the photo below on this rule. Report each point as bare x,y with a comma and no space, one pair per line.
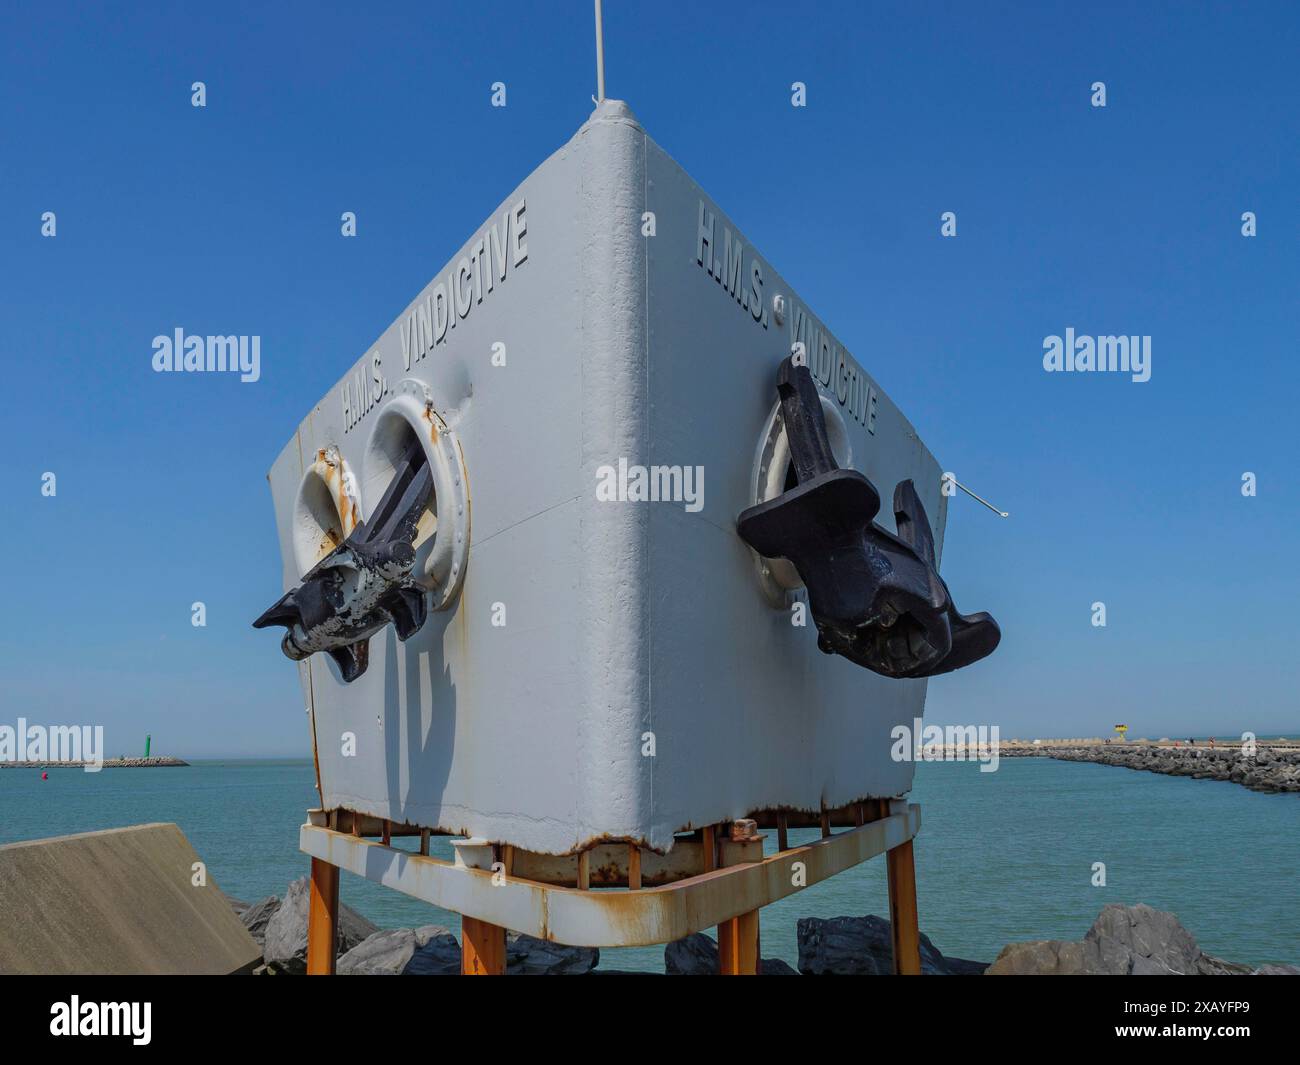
116,902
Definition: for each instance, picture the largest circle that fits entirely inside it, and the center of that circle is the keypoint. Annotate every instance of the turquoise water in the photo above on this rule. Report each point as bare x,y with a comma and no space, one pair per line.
1001,856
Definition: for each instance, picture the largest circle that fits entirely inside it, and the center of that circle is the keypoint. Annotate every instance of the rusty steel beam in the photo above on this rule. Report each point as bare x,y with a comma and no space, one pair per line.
738,945
617,864
612,918
322,918
367,825
903,921
709,843
845,816
482,948
738,936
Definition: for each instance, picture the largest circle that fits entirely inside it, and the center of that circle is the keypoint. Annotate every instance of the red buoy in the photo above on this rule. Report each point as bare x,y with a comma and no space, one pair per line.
45,776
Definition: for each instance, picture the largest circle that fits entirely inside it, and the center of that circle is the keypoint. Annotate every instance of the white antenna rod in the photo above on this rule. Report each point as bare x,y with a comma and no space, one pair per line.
999,513
600,57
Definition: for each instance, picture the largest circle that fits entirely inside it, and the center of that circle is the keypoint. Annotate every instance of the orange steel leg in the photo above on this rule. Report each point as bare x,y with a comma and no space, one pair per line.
737,937
322,918
902,910
482,948
738,945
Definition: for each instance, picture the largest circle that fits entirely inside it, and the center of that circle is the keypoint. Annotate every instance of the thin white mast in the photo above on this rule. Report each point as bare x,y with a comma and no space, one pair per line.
600,57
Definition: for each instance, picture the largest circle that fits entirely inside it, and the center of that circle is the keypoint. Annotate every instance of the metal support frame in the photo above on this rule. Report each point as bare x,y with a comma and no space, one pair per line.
322,918
736,882
903,920
483,948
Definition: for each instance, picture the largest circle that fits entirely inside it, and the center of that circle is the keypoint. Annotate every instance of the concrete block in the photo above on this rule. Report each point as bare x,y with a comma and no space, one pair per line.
116,902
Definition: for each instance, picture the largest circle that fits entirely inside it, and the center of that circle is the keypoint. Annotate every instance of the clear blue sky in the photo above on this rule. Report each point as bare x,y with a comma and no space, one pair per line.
226,220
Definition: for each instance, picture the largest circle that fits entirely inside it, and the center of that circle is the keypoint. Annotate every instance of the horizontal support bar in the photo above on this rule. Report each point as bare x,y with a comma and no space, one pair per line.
611,918
366,824
845,816
608,863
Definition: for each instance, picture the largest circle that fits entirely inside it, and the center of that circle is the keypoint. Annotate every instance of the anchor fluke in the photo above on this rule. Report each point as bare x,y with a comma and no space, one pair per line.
365,583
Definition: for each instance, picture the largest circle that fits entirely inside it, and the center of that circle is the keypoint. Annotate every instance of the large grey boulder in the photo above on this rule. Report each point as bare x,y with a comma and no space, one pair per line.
1211,966
1142,941
1044,957
697,955
427,951
258,915
1123,941
863,946
285,944
1277,970
529,956
434,951
439,956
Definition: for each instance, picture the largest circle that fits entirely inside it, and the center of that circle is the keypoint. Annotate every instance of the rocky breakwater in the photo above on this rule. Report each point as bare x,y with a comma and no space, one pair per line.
279,927
1124,940
107,763
1269,768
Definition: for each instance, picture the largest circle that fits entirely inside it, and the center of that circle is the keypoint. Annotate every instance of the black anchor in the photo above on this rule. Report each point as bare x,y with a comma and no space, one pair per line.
876,597
365,582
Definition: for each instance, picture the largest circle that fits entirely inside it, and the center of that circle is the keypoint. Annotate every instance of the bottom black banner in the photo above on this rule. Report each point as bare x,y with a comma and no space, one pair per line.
291,1013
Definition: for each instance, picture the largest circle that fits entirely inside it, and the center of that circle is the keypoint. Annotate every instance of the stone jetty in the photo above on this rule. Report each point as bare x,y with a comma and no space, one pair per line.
107,763
1265,767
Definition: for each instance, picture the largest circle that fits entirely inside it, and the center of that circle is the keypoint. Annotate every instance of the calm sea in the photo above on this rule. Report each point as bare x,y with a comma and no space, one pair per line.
1001,857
